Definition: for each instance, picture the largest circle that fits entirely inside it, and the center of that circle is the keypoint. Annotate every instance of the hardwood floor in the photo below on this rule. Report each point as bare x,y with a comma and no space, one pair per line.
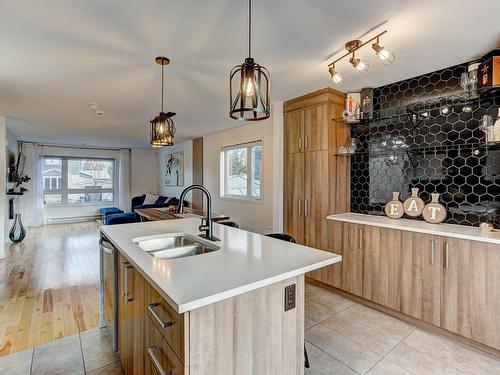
49,286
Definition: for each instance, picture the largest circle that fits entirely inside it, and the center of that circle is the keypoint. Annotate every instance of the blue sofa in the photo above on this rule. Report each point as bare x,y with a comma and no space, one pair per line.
138,202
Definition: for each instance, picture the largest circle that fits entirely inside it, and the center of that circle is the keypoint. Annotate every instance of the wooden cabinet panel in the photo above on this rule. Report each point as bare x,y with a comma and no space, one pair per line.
381,265
471,290
352,258
294,196
316,128
293,131
139,321
125,314
421,271
332,274
160,358
167,321
316,199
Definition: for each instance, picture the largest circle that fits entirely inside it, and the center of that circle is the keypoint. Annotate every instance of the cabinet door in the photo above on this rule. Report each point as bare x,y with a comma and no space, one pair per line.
293,132
471,290
332,274
294,196
139,321
316,128
125,314
316,207
352,258
381,265
421,270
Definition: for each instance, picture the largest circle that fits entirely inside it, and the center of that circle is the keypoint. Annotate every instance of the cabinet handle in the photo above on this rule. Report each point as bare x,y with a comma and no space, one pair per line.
300,143
433,251
151,308
300,208
361,238
351,236
124,280
306,207
446,255
156,362
307,142
127,293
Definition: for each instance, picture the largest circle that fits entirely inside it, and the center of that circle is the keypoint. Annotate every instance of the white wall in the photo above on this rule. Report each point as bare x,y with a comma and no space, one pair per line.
250,215
3,179
175,191
143,172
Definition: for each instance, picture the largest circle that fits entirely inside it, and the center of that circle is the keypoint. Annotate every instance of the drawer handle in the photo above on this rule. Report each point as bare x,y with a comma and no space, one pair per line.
156,362
151,308
433,251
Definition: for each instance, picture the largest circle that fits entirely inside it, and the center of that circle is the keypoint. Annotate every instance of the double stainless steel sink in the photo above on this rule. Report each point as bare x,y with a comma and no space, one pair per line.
173,245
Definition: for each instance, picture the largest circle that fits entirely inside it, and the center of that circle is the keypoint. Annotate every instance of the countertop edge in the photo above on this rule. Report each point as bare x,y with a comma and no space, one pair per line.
409,226
193,305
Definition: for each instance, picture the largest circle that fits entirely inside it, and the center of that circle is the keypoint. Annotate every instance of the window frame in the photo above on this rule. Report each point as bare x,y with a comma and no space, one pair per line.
224,172
64,191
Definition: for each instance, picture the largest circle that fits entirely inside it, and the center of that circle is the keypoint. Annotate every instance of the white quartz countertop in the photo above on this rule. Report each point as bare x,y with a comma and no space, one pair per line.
245,261
450,230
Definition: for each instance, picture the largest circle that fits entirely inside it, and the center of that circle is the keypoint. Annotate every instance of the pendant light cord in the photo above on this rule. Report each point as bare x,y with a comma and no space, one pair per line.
249,28
162,66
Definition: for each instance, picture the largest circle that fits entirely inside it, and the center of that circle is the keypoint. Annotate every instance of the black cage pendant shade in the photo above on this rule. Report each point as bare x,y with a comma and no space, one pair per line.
249,86
162,126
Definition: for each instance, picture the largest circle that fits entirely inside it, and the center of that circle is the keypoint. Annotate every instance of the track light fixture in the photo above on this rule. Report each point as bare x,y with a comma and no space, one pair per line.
386,56
361,65
335,76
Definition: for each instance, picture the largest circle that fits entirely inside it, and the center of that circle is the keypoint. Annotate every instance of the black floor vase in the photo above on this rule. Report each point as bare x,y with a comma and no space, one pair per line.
17,232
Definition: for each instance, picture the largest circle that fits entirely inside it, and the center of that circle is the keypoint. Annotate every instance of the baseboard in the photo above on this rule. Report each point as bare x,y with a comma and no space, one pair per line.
492,352
73,219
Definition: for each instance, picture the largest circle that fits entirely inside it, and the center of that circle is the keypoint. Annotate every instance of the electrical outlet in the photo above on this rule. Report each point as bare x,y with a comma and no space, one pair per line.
290,297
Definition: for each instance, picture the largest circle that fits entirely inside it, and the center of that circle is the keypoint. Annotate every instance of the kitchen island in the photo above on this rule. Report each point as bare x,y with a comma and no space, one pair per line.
236,310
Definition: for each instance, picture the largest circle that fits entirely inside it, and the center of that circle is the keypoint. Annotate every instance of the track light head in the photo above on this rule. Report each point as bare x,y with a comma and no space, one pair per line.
386,55
360,65
336,77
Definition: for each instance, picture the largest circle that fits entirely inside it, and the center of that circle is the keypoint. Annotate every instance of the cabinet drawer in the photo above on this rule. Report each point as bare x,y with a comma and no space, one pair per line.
160,358
169,323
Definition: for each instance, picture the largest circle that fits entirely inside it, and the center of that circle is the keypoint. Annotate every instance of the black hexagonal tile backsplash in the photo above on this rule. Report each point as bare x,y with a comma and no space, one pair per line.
426,133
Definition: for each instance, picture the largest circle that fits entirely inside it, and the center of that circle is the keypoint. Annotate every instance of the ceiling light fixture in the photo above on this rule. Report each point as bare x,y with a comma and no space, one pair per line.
360,65
249,82
387,56
162,126
335,76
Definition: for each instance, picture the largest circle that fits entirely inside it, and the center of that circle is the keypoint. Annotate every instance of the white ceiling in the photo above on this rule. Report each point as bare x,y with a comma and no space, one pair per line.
58,56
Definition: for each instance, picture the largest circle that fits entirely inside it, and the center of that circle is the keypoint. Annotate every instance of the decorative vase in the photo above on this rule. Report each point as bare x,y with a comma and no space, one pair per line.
17,232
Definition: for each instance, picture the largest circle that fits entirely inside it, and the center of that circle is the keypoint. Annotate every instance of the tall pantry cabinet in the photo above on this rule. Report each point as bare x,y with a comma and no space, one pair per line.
312,189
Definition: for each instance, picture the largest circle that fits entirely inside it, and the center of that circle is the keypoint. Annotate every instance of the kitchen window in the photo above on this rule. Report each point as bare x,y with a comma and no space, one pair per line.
76,181
241,171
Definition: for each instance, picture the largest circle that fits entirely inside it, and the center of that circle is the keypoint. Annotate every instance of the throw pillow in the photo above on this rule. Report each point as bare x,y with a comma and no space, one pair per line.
150,199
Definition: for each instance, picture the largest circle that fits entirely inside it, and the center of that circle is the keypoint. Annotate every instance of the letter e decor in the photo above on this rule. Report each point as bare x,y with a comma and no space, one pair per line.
394,208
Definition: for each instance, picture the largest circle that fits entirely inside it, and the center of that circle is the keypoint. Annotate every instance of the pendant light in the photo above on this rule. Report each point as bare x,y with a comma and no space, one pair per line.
249,86
162,126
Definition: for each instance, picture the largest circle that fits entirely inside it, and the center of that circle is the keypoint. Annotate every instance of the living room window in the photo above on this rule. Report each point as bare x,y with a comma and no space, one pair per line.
241,171
75,181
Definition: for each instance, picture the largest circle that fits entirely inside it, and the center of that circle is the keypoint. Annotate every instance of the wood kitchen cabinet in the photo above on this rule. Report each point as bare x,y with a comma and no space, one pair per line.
471,290
421,272
125,314
310,139
381,265
352,258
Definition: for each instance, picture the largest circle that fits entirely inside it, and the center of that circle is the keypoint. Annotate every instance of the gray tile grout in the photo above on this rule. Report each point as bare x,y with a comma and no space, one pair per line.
81,352
32,358
331,356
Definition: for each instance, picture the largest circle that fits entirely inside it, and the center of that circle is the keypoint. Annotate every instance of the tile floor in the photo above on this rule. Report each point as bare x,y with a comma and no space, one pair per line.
89,353
342,338
346,338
